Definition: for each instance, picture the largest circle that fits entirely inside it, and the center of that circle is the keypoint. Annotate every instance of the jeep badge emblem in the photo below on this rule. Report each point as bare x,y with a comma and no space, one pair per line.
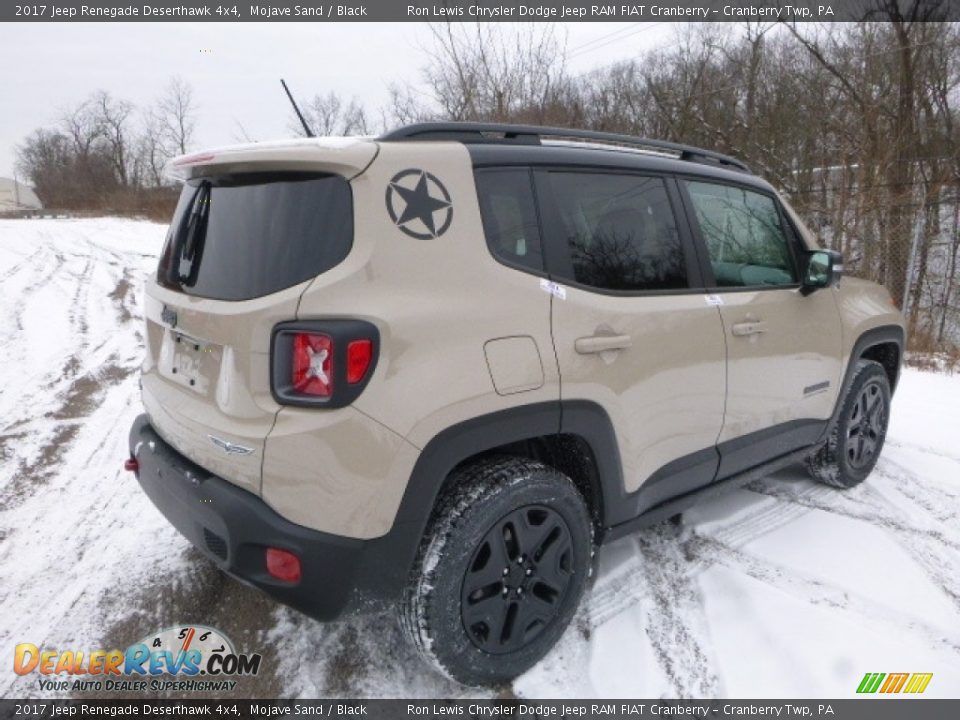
419,204
169,316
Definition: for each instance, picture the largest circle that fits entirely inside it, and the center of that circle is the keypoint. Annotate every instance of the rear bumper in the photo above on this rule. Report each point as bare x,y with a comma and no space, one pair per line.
233,528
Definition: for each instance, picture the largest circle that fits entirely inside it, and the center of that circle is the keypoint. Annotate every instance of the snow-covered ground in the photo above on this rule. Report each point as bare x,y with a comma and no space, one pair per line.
784,588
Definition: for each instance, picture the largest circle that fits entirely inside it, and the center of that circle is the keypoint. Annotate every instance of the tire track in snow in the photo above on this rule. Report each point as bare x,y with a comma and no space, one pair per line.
662,577
926,449
709,551
941,501
61,533
656,580
81,379
612,594
16,295
15,355
676,625
855,505
70,518
26,263
83,395
699,552
62,423
868,504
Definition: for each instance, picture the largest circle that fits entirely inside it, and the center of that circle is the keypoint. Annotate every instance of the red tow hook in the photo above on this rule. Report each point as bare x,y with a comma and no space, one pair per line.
131,465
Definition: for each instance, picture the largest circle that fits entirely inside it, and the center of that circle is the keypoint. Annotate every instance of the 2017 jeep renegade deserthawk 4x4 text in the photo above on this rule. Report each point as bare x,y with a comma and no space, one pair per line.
433,370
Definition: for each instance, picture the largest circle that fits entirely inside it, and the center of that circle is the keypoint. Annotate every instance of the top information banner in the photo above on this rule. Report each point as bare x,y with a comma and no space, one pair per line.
477,11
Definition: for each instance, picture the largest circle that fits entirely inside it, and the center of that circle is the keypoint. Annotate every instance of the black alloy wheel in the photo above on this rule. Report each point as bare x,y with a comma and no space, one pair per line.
517,579
855,439
866,426
500,571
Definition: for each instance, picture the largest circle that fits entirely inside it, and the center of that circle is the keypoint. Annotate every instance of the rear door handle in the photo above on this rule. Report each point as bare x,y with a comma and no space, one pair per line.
602,343
751,327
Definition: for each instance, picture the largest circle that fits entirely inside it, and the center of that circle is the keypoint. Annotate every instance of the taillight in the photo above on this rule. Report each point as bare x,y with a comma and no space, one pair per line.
359,355
322,363
311,370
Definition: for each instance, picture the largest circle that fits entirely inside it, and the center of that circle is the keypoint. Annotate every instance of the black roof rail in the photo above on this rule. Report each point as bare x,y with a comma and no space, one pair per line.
478,132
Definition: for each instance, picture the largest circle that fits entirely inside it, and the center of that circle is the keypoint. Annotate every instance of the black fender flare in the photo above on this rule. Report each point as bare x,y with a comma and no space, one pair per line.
396,551
869,338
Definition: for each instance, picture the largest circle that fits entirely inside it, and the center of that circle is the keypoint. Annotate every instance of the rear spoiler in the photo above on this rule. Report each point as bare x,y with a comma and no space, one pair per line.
347,156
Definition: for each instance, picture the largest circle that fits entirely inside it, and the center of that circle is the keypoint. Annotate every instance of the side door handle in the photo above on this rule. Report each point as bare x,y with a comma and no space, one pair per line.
750,327
602,343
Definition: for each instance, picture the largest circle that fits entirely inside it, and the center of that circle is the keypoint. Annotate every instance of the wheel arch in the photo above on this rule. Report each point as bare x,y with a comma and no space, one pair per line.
576,437
883,344
889,354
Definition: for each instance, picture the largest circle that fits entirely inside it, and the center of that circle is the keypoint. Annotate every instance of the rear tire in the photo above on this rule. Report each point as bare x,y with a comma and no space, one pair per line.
855,442
500,571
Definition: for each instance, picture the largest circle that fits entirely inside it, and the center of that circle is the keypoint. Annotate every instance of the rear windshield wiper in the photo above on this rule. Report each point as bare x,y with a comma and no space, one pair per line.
194,232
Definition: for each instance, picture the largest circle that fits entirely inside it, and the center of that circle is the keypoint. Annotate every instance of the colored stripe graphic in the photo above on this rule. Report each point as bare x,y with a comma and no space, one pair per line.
894,683
918,682
870,682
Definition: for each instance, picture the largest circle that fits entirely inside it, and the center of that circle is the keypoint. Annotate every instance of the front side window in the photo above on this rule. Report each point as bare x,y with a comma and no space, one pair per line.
620,231
745,238
510,217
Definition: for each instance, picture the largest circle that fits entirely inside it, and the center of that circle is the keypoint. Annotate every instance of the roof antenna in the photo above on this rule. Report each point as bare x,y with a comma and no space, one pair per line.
306,128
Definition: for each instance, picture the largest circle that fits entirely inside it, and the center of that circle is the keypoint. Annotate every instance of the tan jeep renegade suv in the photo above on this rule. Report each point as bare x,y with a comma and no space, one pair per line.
434,370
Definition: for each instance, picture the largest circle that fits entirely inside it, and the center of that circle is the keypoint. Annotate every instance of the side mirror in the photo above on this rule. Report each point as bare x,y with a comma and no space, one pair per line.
824,268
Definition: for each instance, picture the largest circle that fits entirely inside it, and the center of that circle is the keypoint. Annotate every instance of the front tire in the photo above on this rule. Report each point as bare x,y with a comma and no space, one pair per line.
500,572
856,440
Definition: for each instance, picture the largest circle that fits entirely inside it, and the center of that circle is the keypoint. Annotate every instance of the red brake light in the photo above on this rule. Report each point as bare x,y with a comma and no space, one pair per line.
312,371
322,363
191,159
283,565
359,355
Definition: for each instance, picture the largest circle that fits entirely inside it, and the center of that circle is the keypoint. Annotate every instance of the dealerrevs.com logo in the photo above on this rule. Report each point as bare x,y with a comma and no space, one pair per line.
183,652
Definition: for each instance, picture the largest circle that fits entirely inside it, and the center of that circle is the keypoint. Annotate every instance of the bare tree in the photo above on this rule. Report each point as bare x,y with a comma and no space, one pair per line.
151,149
113,116
82,126
176,112
407,105
486,73
330,115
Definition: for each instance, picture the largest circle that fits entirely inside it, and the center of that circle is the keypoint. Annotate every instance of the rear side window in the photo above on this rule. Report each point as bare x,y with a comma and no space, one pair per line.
246,236
745,239
620,231
509,217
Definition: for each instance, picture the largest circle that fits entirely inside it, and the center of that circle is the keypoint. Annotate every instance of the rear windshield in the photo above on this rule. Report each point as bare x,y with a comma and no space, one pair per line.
244,236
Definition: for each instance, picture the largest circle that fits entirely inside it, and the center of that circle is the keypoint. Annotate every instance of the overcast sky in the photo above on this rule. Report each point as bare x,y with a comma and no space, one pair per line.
235,68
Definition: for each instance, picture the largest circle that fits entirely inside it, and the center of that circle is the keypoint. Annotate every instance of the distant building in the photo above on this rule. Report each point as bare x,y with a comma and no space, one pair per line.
17,196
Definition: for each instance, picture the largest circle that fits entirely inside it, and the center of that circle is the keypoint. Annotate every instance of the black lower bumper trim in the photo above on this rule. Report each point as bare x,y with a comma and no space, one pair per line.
233,528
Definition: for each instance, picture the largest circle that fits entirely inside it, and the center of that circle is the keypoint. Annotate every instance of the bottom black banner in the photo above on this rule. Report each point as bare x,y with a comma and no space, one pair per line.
849,709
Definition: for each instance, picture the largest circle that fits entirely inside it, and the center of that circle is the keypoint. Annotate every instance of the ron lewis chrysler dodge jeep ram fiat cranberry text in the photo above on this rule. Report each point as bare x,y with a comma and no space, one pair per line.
433,370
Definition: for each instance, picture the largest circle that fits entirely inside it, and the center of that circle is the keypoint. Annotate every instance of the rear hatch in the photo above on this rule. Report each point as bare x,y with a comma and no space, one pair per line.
252,228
